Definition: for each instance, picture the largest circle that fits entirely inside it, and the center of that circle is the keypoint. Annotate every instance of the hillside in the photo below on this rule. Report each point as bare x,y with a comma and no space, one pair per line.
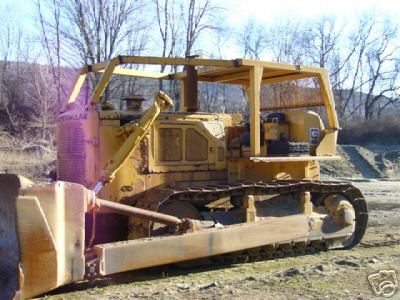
364,162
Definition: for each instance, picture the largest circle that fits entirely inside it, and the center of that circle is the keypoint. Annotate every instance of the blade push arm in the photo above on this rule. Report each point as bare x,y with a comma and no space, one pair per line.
138,131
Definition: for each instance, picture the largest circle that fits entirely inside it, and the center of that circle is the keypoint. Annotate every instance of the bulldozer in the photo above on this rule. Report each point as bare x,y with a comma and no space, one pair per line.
142,188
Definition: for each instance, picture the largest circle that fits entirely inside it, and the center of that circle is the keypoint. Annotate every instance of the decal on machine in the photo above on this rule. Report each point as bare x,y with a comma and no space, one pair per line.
314,136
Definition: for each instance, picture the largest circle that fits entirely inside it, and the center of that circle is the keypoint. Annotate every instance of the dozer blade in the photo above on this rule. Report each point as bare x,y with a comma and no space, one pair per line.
41,236
9,243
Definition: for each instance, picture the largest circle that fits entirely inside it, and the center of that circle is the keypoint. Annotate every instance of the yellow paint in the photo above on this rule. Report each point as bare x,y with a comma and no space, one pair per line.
254,103
51,217
142,169
51,231
76,89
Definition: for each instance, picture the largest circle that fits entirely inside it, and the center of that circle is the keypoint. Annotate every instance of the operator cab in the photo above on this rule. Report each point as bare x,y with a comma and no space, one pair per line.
293,133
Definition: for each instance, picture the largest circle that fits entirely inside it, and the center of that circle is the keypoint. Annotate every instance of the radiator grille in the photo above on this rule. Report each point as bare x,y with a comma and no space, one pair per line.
71,152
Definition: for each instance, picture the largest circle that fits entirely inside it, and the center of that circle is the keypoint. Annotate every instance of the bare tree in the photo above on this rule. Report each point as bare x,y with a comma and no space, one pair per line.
382,71
82,32
51,43
198,16
97,30
288,42
13,52
346,67
252,39
41,97
365,79
170,30
181,24
209,95
323,41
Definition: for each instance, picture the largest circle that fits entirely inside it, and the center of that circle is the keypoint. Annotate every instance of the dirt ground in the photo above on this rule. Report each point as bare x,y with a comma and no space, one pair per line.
340,274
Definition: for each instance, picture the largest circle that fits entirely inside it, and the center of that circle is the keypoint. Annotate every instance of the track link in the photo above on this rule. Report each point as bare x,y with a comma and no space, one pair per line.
272,252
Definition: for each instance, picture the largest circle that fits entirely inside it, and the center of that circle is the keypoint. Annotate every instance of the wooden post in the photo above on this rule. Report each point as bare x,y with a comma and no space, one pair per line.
254,103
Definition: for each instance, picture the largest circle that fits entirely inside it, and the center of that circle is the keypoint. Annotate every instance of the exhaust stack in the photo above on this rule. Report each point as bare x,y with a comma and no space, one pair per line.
191,89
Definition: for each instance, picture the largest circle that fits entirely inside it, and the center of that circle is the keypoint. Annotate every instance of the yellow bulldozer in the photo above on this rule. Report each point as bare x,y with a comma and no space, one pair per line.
137,189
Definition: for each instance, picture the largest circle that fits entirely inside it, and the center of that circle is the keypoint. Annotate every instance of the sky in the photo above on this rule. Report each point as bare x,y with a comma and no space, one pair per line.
237,12
267,10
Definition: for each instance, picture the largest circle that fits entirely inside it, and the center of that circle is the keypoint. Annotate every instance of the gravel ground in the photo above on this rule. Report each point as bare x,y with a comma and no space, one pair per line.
340,274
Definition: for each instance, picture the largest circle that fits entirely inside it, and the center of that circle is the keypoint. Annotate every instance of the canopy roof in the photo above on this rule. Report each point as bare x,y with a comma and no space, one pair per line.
234,71
251,74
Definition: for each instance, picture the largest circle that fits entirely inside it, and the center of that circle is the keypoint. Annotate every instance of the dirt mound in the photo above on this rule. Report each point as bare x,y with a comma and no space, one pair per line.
369,162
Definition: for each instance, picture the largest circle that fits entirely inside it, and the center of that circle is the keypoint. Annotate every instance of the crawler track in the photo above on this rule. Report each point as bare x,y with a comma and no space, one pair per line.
201,196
